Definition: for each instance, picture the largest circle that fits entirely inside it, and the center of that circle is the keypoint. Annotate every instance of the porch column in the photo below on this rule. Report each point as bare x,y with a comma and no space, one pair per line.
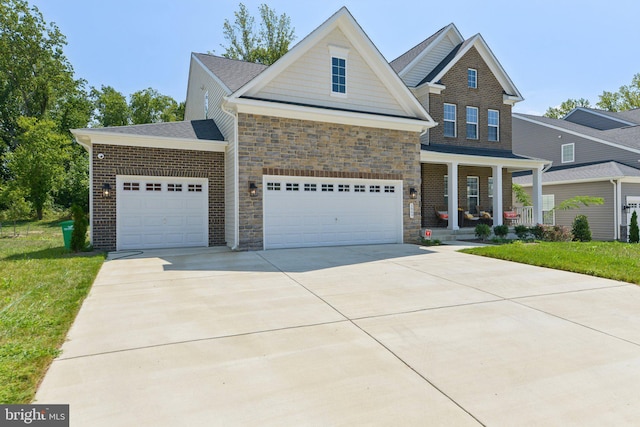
497,195
452,183
536,193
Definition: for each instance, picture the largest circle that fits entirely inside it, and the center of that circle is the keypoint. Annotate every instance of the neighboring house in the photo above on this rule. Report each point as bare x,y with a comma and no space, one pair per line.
594,153
330,145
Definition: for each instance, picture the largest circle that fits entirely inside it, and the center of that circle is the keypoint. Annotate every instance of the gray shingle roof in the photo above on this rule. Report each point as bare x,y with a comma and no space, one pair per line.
472,151
233,73
403,60
194,129
628,136
599,171
444,62
629,116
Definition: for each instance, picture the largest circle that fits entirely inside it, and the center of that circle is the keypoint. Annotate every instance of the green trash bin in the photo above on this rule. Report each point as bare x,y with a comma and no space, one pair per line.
67,230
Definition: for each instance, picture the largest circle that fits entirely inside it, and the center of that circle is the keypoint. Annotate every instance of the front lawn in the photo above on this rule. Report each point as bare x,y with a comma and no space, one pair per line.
42,287
611,260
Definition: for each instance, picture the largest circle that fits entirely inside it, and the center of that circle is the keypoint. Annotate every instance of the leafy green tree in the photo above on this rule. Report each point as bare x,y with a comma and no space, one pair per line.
521,195
150,106
627,97
37,164
111,107
79,233
17,208
634,233
34,73
578,201
265,46
566,107
75,188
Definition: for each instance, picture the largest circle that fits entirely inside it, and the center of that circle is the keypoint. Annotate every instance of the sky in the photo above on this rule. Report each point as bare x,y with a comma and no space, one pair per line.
552,50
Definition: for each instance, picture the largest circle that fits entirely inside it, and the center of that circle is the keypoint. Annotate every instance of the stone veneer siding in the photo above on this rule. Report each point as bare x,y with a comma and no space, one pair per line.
433,189
282,146
127,160
488,95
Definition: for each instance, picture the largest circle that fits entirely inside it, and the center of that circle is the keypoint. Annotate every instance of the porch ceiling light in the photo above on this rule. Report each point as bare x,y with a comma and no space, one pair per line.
253,189
106,190
413,193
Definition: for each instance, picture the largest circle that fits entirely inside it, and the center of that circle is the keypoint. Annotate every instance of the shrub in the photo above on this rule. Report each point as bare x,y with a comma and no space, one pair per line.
79,234
634,234
522,231
483,231
537,231
580,229
557,233
501,231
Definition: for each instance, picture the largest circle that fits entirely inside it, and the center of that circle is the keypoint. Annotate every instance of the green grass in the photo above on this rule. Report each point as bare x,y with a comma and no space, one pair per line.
42,286
611,260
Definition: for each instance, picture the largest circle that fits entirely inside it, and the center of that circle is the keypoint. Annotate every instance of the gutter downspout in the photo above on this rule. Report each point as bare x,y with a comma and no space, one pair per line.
236,195
616,217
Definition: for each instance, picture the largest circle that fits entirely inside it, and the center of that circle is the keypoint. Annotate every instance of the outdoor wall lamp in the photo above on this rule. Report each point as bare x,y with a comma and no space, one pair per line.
625,207
253,189
106,190
413,193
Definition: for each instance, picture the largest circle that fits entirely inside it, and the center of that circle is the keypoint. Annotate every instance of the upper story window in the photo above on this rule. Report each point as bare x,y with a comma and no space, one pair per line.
568,153
339,57
472,122
338,75
472,78
450,120
493,122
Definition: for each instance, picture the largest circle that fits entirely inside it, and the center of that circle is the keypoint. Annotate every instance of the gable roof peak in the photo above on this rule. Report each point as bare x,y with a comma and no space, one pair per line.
405,61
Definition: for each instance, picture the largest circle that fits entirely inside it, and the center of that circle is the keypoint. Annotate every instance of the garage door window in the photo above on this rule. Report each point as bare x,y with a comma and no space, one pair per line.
389,189
374,189
310,187
343,188
293,187
359,188
174,187
327,187
273,186
131,186
195,188
154,186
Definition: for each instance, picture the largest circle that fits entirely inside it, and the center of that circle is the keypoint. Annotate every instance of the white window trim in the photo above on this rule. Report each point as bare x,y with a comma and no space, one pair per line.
340,53
476,196
573,153
497,126
476,79
472,123
548,203
455,120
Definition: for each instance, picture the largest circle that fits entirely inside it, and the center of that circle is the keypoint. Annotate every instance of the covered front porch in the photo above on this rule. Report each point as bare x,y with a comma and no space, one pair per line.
475,184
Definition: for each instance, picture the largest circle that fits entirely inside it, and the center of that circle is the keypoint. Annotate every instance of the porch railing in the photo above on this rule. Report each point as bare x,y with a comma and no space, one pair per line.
525,216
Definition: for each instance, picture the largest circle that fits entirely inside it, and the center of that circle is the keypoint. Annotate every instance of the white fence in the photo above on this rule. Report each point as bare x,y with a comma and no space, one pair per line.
525,216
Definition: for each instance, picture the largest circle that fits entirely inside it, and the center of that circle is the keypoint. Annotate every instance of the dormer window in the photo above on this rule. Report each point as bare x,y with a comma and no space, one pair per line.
339,56
568,153
472,78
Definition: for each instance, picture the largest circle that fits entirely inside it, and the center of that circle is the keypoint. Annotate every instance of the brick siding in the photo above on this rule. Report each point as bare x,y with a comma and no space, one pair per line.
127,160
306,148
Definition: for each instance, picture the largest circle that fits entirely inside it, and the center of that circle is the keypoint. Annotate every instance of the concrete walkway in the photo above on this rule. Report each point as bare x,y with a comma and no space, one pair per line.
368,335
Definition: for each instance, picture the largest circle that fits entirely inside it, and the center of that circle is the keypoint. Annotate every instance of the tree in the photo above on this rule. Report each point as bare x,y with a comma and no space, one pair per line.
627,97
37,164
521,195
576,201
150,106
566,107
264,47
34,73
111,107
634,234
79,233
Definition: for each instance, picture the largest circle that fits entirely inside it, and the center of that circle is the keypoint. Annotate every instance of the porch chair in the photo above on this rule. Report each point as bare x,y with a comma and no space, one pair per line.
441,215
510,217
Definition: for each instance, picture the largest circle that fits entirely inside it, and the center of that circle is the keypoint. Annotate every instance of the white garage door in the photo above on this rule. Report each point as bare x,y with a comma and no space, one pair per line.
634,206
303,212
161,212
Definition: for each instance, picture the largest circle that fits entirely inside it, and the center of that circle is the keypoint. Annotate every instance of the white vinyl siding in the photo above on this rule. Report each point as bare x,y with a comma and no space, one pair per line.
493,124
472,122
200,84
450,120
568,153
429,62
307,81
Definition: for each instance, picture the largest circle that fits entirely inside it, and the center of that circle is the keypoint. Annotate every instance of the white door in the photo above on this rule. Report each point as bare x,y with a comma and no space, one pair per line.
304,212
634,206
161,212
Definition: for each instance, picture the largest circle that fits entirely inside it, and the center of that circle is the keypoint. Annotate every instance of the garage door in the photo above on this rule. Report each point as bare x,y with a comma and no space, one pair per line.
304,212
161,212
634,206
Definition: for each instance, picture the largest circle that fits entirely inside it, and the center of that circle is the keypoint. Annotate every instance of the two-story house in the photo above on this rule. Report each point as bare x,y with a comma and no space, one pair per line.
595,153
330,145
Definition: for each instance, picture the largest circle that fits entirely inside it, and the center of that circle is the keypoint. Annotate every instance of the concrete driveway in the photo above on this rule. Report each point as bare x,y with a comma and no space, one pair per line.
368,335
